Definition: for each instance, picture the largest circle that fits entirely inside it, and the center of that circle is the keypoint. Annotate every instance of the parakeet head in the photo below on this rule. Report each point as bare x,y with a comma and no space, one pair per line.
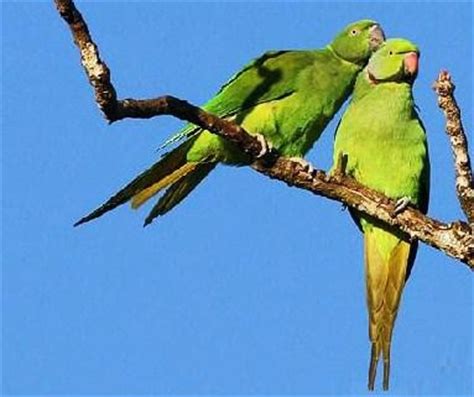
396,60
358,40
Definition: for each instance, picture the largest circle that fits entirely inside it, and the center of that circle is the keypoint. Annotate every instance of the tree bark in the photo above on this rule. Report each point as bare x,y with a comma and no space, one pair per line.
445,87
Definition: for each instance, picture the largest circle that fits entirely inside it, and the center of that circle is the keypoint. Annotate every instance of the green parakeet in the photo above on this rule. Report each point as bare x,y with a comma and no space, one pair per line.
385,143
287,96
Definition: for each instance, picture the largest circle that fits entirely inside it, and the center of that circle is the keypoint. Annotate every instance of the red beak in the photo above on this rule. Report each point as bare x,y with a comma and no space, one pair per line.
411,63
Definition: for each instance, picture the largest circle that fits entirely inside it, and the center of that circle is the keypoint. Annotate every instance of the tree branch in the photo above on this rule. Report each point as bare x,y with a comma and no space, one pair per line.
445,87
455,239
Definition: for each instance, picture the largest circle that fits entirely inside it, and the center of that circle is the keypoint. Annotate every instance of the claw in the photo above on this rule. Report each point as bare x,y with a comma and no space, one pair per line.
401,205
305,164
266,146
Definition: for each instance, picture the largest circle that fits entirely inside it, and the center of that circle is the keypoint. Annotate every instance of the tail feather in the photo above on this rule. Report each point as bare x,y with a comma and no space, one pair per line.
180,190
168,164
385,278
140,198
374,358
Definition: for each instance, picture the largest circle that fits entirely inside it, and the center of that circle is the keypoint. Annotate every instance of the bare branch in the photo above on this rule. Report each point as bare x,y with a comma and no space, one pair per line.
147,108
445,87
455,239
97,71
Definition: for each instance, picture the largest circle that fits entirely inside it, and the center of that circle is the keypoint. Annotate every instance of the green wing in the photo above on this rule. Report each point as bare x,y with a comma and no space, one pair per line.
270,77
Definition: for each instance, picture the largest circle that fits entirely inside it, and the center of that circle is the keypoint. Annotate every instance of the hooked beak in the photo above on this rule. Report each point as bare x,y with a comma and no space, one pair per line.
376,37
410,62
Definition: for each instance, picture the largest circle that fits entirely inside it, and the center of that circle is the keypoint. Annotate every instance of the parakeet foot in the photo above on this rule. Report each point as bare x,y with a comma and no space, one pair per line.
266,146
401,205
305,164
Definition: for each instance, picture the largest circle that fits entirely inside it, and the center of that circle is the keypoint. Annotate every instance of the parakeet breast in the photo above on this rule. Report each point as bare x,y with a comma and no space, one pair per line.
385,142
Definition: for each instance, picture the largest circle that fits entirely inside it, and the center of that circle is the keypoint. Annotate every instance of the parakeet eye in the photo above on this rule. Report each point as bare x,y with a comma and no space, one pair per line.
390,53
354,32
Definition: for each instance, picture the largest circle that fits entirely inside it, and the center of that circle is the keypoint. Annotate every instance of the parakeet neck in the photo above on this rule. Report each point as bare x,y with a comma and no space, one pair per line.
334,53
362,86
365,84
398,90
397,97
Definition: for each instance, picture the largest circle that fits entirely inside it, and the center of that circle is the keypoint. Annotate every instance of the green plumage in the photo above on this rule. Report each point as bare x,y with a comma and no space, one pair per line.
385,144
287,96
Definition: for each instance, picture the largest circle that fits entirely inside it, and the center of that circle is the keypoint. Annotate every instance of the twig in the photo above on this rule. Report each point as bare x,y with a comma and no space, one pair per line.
445,87
97,71
455,239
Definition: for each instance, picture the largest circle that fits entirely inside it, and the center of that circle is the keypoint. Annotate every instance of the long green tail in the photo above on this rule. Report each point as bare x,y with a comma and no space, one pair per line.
166,170
385,279
179,190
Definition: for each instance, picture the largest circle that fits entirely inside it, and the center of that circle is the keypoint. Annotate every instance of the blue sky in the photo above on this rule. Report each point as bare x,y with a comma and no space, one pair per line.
249,287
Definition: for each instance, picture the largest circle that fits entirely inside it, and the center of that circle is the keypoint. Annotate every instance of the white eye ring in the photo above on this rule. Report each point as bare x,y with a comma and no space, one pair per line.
354,32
